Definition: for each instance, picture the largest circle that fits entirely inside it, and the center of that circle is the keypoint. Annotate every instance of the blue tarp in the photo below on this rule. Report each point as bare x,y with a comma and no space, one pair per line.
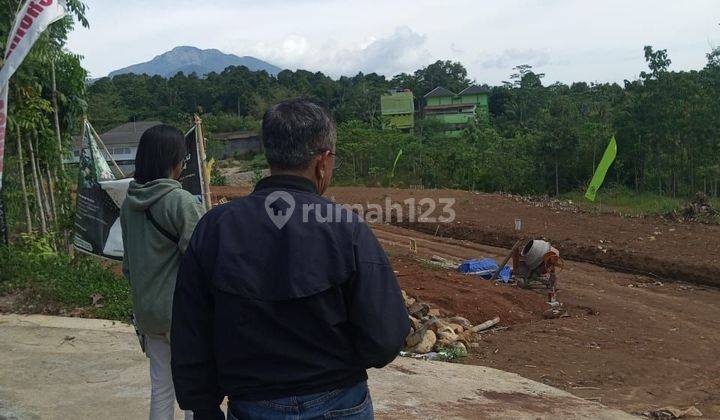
485,267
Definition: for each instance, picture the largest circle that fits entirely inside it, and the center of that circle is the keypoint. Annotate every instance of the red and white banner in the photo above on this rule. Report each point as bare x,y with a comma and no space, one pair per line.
30,23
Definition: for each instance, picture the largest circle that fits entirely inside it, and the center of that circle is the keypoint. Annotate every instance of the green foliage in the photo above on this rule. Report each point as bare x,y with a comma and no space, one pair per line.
216,176
258,162
49,278
540,139
625,201
31,116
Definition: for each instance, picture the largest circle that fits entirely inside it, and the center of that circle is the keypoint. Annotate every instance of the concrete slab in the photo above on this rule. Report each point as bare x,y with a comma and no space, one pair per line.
72,368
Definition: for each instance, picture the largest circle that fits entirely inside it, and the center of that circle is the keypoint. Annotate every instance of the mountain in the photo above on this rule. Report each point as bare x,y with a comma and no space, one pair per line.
191,59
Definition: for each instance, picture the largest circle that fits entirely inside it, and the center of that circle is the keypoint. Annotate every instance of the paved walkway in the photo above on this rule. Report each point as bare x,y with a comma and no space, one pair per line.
72,368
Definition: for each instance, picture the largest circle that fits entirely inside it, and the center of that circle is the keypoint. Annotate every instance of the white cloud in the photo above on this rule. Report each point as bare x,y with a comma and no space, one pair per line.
511,58
396,52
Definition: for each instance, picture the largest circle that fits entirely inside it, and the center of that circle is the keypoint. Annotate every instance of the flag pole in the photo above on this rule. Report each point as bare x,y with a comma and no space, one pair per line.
200,140
99,139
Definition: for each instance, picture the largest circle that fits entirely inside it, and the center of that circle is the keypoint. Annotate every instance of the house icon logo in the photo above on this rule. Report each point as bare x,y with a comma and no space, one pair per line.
279,206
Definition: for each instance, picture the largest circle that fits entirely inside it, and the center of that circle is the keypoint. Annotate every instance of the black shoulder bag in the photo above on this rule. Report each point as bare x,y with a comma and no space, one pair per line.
162,230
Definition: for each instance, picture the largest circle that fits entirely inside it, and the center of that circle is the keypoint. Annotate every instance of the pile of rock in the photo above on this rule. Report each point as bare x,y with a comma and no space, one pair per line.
545,201
699,210
431,332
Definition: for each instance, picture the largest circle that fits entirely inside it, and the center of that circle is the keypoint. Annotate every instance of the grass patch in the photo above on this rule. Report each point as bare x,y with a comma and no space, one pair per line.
626,202
53,282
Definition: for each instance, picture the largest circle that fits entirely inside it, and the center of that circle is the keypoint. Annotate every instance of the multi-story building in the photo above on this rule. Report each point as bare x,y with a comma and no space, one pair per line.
456,110
398,109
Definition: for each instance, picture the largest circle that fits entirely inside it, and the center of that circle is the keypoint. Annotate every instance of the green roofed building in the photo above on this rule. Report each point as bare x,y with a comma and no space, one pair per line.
456,110
398,109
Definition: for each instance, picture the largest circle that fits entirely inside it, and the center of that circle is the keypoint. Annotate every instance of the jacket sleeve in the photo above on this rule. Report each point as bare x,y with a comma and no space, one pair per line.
375,305
193,361
125,261
188,212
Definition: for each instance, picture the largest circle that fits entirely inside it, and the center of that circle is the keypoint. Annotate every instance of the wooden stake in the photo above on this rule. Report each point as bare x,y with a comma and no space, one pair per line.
200,140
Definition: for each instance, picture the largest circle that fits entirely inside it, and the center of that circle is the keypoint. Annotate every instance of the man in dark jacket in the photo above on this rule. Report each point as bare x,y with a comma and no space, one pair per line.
284,299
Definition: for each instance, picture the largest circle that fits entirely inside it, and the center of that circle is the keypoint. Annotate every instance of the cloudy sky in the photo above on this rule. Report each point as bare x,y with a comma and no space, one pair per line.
567,40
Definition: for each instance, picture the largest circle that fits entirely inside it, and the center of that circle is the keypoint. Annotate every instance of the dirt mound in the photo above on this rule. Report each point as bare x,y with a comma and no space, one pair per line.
468,296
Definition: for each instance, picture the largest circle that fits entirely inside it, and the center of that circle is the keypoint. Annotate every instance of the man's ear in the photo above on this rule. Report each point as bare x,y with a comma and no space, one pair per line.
320,169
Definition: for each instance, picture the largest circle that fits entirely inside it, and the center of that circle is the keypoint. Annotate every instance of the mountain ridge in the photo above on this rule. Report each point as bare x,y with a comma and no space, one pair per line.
195,60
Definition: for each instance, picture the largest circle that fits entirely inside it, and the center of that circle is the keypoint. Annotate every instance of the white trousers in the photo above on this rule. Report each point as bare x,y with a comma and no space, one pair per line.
162,397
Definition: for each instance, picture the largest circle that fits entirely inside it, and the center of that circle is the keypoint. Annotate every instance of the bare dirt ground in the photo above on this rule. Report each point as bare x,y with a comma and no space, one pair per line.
634,348
651,246
634,342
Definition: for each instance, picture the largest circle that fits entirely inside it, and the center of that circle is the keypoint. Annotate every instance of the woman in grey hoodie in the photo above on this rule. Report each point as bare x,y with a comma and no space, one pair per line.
157,219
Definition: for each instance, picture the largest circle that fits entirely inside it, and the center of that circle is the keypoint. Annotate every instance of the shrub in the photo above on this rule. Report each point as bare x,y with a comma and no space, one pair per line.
53,279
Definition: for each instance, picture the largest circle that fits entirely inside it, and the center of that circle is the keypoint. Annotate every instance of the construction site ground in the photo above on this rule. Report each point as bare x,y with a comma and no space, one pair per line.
642,327
72,368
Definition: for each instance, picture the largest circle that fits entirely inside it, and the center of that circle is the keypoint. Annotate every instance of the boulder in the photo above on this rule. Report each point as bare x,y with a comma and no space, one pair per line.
457,328
435,324
415,323
418,309
447,330
468,337
459,349
434,312
442,344
414,338
426,343
409,302
447,336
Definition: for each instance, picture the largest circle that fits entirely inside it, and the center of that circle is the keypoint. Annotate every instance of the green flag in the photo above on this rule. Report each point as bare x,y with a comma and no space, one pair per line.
397,158
607,160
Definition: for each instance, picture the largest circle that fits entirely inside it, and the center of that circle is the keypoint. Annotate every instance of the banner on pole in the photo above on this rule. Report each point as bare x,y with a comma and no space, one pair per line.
32,20
599,177
30,23
191,177
100,196
97,214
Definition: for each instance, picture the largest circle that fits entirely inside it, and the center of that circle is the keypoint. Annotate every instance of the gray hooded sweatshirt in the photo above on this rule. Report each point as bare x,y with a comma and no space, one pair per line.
151,259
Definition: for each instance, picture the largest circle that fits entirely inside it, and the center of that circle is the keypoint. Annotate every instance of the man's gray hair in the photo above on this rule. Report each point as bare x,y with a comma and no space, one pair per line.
296,130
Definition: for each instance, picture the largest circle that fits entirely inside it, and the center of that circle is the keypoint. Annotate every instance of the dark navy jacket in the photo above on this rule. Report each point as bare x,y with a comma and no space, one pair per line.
264,313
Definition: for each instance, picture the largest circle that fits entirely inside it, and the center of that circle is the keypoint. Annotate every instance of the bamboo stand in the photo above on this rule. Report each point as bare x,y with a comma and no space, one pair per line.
200,140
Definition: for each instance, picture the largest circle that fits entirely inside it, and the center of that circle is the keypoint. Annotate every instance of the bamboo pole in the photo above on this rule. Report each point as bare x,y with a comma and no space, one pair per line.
200,140
56,112
36,183
97,137
53,204
26,203
43,191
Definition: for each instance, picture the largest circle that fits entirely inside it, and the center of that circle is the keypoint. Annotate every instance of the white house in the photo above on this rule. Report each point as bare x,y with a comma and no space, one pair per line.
122,142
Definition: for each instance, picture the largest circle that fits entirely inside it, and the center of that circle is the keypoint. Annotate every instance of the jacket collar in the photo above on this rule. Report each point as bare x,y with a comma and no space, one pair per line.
291,182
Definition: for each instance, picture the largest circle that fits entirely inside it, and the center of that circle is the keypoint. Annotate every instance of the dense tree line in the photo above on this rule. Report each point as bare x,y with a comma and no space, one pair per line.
541,138
47,100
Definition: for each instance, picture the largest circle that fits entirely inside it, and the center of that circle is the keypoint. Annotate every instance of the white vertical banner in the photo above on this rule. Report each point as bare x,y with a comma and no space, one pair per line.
31,21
